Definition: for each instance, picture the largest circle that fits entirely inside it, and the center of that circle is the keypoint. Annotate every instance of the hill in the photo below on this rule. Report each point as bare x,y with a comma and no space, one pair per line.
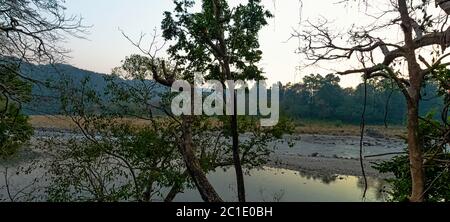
46,95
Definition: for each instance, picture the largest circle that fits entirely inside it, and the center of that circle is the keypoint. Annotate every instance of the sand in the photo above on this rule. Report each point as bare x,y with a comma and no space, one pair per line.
328,155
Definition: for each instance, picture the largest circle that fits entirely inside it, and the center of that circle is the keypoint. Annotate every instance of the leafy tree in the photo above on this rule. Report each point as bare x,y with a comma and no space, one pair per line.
128,163
436,170
14,127
30,31
131,143
329,101
138,67
117,159
222,41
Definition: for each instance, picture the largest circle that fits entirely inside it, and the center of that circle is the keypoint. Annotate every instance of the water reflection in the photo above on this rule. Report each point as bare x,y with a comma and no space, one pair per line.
262,185
272,185
325,178
380,187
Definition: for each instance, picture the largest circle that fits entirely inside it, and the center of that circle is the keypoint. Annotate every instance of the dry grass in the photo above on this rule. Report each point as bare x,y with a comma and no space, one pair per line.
52,122
66,123
322,128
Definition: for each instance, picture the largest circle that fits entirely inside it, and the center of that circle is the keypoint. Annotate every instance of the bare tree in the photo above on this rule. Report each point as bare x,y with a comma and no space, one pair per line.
32,31
165,74
405,60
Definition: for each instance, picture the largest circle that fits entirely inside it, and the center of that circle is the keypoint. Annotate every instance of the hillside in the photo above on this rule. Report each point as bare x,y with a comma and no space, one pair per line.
46,96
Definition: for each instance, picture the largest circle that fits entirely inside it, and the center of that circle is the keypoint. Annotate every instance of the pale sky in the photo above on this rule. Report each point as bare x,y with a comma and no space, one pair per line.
106,46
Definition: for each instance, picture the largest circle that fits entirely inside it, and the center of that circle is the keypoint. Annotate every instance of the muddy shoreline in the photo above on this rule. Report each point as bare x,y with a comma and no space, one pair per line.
325,166
321,155
316,157
326,155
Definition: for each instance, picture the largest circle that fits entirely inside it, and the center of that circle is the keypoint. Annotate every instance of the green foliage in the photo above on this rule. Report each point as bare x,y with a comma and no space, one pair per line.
99,166
401,185
14,131
204,40
436,168
322,98
116,159
435,140
118,140
119,163
14,127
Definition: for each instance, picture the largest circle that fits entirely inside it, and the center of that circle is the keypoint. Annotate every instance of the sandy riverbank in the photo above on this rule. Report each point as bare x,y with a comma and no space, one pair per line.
318,149
325,166
328,154
312,154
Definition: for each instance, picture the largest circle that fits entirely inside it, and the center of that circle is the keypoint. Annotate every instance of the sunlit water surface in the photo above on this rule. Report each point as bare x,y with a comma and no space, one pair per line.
269,184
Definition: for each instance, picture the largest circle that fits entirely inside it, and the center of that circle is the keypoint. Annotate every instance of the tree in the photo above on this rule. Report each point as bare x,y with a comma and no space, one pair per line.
382,55
117,161
30,32
132,144
14,128
434,135
222,41
162,72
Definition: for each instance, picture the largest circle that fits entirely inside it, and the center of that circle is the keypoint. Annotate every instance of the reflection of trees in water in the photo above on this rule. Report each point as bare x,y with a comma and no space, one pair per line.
379,187
329,179
273,197
324,178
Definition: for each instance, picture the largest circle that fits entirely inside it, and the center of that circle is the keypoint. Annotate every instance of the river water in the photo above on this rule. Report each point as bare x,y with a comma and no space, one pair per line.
271,184
264,185
280,185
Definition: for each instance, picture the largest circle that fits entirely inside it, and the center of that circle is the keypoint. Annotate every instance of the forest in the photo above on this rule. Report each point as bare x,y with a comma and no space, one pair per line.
316,99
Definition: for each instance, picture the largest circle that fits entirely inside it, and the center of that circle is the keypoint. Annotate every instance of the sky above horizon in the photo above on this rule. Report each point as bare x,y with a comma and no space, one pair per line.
105,47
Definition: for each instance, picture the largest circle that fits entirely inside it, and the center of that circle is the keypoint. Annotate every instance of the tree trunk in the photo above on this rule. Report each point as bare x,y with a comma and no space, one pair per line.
234,120
148,192
235,139
236,154
415,151
193,166
176,189
413,97
186,148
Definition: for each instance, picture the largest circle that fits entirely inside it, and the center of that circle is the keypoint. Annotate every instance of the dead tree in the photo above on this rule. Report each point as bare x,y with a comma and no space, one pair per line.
405,60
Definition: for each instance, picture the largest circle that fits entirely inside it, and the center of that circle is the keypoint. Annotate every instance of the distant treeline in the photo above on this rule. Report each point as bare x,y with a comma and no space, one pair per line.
316,98
322,98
